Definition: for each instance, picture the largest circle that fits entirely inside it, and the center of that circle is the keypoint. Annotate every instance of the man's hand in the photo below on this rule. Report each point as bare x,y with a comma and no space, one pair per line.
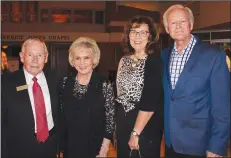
210,154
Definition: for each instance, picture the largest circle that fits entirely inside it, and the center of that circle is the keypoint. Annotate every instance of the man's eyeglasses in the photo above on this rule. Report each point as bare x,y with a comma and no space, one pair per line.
133,33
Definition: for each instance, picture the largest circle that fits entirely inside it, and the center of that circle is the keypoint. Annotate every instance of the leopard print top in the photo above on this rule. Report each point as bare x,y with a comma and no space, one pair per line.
130,82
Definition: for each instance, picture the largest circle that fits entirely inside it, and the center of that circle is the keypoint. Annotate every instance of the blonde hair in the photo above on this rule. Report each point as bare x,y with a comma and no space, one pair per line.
177,6
88,43
31,40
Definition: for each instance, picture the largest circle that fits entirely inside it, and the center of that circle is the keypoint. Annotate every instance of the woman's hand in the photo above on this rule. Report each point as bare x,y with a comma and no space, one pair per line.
134,142
103,151
104,148
141,121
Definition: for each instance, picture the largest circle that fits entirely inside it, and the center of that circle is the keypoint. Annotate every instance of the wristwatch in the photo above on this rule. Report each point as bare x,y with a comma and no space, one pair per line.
134,133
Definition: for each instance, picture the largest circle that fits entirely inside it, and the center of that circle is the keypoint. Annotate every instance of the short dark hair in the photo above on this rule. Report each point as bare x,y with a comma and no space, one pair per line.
153,37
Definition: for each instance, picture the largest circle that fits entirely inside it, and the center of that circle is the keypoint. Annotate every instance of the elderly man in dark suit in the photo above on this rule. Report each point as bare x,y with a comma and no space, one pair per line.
30,106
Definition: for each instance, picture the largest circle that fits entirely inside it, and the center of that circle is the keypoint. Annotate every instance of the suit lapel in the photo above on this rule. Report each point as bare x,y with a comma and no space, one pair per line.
195,55
168,68
23,95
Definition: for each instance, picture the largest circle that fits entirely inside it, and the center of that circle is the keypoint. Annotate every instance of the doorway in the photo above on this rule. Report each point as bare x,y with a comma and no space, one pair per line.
58,58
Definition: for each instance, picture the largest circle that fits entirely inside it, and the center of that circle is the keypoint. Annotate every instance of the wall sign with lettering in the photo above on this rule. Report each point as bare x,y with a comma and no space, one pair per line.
42,37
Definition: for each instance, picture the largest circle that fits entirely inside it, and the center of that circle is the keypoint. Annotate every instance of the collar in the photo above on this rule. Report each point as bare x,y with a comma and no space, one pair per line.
184,50
29,76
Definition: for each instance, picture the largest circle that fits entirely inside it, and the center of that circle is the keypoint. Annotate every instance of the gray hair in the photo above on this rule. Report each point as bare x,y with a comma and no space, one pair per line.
177,6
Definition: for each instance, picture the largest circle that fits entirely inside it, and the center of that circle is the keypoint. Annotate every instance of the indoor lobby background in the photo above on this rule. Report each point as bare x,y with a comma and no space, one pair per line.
60,23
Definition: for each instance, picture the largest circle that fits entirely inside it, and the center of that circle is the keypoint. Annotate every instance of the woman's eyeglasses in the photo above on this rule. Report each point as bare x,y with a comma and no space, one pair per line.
143,33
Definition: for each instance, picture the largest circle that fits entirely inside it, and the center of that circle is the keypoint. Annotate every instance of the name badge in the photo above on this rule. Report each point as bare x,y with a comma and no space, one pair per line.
20,88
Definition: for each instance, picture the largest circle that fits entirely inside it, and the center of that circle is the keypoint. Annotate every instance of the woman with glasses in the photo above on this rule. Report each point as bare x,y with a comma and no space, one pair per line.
139,123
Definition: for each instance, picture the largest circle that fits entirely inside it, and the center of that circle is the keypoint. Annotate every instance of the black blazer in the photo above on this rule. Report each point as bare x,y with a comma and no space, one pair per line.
152,94
152,98
17,117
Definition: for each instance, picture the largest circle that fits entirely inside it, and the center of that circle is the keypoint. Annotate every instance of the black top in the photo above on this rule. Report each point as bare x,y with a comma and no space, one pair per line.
88,115
152,94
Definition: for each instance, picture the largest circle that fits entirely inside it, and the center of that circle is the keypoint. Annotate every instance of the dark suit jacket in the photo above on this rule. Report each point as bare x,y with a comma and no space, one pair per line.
17,116
197,111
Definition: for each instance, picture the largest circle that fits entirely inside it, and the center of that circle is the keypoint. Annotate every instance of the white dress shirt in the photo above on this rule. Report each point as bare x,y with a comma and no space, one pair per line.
46,94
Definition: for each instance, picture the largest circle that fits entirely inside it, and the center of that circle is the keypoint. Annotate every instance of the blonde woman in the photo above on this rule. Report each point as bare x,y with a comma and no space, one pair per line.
87,102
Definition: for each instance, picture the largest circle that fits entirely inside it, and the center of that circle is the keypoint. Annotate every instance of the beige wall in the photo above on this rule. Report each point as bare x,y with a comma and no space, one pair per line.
212,13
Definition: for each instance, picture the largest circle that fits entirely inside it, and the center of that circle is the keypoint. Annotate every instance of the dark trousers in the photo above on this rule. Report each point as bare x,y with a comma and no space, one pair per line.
170,153
35,149
149,145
